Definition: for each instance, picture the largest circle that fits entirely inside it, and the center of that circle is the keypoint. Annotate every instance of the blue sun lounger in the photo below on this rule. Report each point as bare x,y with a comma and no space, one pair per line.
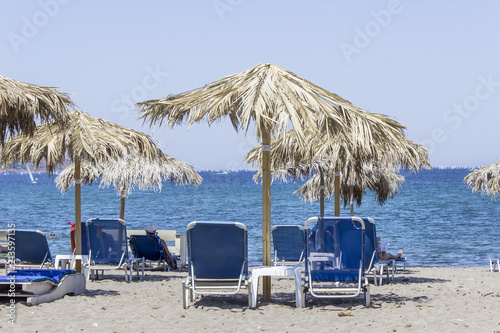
32,249
41,285
108,247
335,266
217,260
376,266
150,248
289,244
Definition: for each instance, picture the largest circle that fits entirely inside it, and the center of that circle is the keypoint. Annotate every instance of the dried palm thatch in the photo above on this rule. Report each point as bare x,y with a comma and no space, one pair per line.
384,183
326,153
275,100
21,104
90,139
128,173
325,156
485,180
89,173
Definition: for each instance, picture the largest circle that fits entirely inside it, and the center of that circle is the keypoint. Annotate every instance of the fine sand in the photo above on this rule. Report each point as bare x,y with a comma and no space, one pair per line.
420,299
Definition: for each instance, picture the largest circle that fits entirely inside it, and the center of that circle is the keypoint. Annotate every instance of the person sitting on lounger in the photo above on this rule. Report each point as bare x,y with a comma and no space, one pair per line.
382,248
151,230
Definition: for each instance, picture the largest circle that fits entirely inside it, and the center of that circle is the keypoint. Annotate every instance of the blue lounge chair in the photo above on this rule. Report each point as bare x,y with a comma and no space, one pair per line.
335,266
32,249
41,285
289,244
150,248
108,248
217,259
376,266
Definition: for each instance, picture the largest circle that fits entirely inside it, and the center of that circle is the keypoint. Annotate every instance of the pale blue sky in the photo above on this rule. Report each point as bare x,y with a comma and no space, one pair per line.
433,66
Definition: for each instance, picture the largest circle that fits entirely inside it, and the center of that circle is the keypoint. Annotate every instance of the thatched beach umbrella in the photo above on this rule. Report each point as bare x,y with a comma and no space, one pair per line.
21,104
85,138
128,173
274,100
327,157
485,180
383,182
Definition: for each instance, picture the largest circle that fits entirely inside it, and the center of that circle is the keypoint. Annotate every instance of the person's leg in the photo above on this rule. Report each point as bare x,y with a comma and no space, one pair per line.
392,256
173,262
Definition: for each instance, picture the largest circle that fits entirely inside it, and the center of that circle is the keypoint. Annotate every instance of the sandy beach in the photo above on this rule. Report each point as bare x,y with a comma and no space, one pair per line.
420,299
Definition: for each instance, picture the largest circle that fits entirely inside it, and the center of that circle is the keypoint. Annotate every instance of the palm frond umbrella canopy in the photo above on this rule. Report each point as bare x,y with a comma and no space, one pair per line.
383,182
274,100
21,104
128,173
85,138
325,158
485,180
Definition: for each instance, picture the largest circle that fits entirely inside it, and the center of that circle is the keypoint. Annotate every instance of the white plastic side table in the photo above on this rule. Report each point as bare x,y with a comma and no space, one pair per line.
293,271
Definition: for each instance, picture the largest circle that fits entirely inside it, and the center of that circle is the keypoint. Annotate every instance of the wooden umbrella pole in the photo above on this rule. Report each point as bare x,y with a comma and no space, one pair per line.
122,204
78,215
321,194
266,212
337,192
122,208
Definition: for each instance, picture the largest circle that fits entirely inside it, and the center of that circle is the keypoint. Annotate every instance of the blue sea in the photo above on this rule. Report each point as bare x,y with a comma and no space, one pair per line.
435,217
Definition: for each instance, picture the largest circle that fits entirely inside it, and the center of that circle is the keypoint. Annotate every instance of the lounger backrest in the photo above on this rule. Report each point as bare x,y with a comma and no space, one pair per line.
107,240
371,253
323,237
217,250
148,247
342,237
351,237
289,242
32,246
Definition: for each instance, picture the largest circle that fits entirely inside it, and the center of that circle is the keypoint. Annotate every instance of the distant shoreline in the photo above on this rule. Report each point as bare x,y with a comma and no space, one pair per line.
42,170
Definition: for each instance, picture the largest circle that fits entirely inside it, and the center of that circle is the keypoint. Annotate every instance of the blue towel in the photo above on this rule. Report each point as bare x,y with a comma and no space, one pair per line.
37,275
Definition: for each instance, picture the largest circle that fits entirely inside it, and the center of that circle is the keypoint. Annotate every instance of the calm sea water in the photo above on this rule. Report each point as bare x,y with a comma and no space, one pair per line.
435,218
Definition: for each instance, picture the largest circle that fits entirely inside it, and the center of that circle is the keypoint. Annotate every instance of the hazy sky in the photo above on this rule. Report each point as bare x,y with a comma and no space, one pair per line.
432,66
